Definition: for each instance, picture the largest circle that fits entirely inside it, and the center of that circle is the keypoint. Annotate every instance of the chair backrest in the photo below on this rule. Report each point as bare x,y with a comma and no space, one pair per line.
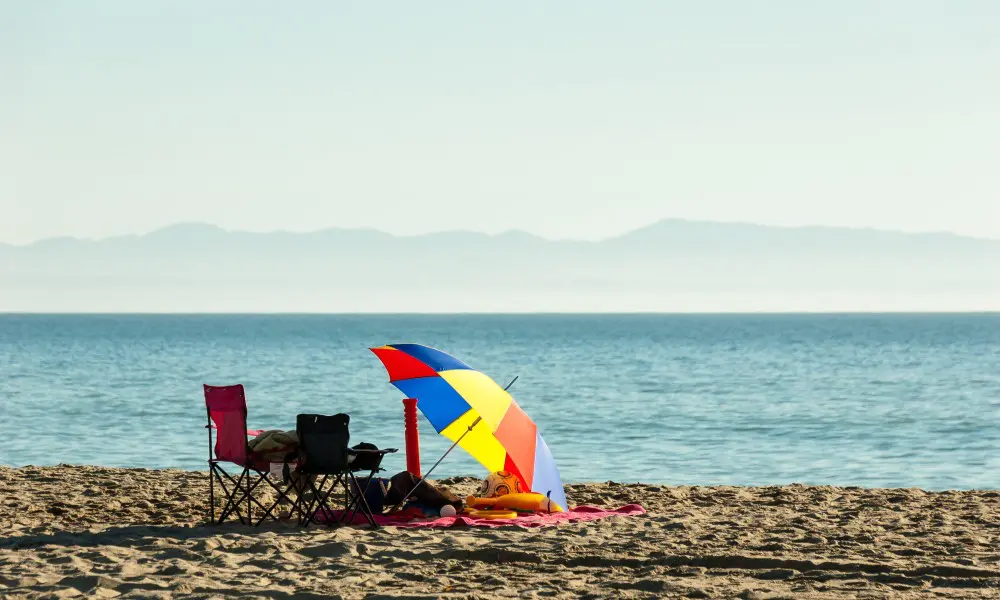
323,441
227,408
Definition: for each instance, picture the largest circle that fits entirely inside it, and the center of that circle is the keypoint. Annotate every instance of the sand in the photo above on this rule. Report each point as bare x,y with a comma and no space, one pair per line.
132,533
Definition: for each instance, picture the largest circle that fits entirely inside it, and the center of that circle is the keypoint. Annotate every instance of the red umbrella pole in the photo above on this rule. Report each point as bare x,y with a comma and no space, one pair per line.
412,439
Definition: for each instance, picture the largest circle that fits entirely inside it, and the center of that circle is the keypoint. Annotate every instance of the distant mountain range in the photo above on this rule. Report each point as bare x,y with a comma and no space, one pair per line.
671,265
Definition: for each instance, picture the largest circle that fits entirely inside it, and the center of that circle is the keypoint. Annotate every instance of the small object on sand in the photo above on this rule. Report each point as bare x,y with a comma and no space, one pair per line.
448,511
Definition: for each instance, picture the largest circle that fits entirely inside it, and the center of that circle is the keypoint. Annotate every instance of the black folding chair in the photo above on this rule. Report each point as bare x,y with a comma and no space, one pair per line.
324,451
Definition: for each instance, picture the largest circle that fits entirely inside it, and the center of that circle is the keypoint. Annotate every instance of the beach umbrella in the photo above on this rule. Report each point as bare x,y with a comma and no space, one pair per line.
468,407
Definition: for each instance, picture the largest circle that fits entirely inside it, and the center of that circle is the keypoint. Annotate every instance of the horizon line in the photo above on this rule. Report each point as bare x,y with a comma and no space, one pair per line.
5,313
375,230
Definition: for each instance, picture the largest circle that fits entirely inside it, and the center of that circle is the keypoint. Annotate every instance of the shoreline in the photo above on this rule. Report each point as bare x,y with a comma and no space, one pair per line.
113,532
567,484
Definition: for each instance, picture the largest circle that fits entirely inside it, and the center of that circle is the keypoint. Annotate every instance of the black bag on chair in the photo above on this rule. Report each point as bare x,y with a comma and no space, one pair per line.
365,461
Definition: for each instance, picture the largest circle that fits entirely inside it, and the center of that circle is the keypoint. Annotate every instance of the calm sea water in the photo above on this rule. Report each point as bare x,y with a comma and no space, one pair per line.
881,400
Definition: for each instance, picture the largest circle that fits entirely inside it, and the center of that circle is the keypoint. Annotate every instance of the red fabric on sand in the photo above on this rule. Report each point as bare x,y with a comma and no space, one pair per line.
529,521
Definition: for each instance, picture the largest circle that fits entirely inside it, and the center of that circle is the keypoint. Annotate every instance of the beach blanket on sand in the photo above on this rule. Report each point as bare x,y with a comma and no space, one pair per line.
529,521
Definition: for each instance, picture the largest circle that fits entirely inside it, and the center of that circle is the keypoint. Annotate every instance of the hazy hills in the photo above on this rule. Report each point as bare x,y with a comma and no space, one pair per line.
670,265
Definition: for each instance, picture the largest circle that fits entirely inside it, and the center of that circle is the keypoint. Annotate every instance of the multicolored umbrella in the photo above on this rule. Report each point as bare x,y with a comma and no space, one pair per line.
453,395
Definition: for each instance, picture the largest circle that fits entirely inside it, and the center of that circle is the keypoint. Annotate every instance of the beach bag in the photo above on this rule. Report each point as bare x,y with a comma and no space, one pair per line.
374,494
401,484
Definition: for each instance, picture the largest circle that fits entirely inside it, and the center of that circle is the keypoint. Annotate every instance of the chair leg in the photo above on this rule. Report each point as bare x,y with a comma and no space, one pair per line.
227,508
211,494
227,505
322,501
281,494
305,509
232,499
309,511
351,505
298,506
363,500
243,488
358,502
251,500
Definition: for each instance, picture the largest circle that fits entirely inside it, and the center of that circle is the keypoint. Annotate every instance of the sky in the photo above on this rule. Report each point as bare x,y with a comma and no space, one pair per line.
569,119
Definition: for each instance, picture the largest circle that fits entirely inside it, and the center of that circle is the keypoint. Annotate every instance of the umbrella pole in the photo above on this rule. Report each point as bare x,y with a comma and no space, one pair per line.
447,452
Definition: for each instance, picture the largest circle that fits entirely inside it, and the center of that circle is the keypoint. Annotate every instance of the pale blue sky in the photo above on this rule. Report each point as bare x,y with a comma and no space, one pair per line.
567,119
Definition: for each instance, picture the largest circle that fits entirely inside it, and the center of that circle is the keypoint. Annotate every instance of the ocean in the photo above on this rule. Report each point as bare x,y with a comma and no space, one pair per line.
852,400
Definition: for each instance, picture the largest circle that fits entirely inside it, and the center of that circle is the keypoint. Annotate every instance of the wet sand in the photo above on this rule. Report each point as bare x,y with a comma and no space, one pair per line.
133,533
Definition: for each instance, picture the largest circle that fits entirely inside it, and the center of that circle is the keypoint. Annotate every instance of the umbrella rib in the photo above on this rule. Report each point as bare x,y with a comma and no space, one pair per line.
424,476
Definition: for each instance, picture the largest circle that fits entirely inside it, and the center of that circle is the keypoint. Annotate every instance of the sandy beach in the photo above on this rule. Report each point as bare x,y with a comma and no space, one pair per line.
135,533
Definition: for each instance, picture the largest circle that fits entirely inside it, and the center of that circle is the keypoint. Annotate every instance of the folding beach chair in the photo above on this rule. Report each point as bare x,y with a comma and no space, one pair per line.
324,450
227,414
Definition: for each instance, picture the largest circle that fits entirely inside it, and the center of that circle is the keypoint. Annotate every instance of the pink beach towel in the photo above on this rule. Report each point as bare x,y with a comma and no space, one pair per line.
529,521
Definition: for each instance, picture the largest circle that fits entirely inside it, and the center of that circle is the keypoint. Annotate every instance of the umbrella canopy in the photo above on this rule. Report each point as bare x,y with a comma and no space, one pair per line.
452,395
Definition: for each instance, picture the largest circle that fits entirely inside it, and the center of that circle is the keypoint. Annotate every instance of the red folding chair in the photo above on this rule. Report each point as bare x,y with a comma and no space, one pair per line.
227,415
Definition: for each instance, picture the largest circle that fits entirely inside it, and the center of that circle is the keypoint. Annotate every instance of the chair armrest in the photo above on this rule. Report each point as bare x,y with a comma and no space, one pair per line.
356,452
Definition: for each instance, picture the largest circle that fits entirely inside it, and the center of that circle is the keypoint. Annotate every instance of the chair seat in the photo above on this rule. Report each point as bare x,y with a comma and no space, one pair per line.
357,461
254,463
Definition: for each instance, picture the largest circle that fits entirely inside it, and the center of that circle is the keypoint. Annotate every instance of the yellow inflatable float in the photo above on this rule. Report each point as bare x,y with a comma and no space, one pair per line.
491,514
520,501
